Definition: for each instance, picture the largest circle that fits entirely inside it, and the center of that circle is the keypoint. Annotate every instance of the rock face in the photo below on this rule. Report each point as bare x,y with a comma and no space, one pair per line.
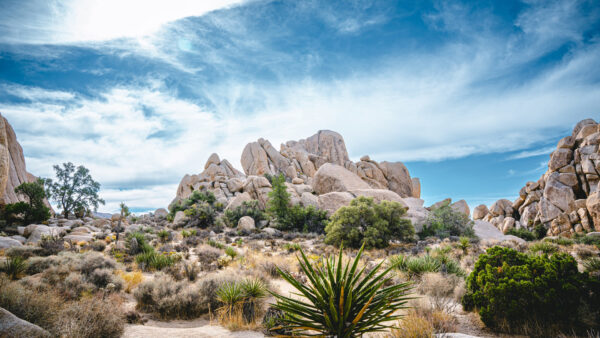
12,164
565,199
313,167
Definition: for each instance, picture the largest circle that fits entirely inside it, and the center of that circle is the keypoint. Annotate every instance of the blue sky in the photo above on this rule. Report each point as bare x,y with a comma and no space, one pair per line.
471,96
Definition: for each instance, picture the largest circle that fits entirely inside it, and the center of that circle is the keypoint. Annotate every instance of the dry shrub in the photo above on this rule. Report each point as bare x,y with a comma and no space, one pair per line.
207,255
440,320
90,318
584,251
131,279
413,326
170,299
444,291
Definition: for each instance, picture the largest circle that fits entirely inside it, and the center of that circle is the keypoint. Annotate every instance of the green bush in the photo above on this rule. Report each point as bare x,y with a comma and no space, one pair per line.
543,247
444,222
196,197
417,266
201,215
248,208
523,233
14,267
279,200
369,223
514,291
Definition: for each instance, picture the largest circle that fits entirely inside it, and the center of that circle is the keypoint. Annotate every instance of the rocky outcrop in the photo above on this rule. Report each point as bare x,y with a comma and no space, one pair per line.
313,167
13,171
565,199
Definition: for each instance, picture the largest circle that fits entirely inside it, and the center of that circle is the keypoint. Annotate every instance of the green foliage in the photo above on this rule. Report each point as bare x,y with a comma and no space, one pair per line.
305,219
152,260
163,235
244,296
592,264
279,200
367,223
215,244
248,208
417,266
523,233
561,241
291,247
32,211
464,244
201,215
444,222
341,301
75,189
196,197
543,247
512,290
229,251
540,231
14,267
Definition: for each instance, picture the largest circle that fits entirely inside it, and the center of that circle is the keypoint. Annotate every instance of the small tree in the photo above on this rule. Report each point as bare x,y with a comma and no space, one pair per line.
444,221
124,213
279,200
74,189
33,210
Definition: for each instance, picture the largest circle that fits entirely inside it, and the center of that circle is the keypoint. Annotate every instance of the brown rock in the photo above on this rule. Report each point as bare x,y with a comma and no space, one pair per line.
254,160
567,142
398,178
462,207
379,195
593,207
416,187
558,194
332,201
331,177
560,158
480,212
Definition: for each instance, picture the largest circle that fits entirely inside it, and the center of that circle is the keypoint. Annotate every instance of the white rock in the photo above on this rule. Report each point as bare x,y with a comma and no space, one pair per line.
246,223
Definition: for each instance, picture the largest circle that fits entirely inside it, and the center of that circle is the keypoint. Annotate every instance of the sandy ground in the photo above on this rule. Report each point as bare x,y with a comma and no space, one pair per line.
181,329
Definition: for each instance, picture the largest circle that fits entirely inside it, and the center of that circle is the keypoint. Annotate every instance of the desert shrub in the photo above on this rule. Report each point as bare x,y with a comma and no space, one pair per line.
215,244
417,266
241,301
132,279
512,290
51,245
540,231
305,219
543,247
440,321
152,260
201,215
413,326
91,261
367,223
89,318
464,243
207,254
248,208
592,264
40,308
168,298
163,235
589,240
24,251
561,241
98,246
14,267
523,233
279,200
196,197
136,243
341,300
231,252
39,264
444,222
443,291
101,278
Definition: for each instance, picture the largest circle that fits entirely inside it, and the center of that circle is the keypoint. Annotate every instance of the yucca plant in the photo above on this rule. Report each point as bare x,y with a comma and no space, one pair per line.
254,291
14,267
231,295
341,301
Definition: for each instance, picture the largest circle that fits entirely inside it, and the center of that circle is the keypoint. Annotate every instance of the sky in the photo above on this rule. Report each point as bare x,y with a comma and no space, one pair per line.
471,95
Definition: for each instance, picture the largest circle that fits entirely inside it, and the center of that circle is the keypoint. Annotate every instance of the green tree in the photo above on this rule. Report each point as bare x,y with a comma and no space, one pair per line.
279,200
124,213
444,222
34,209
75,189
369,223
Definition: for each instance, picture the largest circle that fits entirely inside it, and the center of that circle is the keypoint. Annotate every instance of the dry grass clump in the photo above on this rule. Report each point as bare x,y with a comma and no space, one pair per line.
440,320
242,303
88,317
413,326
208,255
444,291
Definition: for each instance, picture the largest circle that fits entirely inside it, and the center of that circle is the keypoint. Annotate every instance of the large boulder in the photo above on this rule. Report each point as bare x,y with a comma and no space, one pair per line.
416,187
593,206
258,187
332,178
487,231
161,213
462,207
480,212
12,326
332,201
254,160
398,178
379,195
246,223
7,242
238,200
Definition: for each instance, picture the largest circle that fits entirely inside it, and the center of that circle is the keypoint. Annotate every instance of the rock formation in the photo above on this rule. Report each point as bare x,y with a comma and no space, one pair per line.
318,172
12,164
566,199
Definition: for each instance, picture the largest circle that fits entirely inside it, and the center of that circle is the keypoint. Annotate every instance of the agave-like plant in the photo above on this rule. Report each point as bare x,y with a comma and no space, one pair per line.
341,301
14,267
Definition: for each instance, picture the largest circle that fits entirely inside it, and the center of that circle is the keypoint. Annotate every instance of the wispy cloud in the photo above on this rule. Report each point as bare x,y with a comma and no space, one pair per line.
531,153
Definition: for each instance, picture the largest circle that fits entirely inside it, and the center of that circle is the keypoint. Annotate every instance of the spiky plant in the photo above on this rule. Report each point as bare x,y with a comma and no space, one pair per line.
341,301
14,267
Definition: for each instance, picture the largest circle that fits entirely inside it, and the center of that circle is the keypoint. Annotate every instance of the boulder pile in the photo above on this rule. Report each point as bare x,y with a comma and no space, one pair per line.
318,172
565,200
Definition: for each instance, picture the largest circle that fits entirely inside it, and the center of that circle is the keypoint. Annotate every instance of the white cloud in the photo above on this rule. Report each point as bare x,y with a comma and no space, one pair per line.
532,153
69,21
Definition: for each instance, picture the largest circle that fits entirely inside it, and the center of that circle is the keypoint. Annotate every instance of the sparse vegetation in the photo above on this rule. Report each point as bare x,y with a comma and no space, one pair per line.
444,222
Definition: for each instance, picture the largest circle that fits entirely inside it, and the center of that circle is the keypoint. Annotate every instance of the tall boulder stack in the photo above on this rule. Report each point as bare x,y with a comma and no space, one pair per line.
318,172
13,171
566,198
